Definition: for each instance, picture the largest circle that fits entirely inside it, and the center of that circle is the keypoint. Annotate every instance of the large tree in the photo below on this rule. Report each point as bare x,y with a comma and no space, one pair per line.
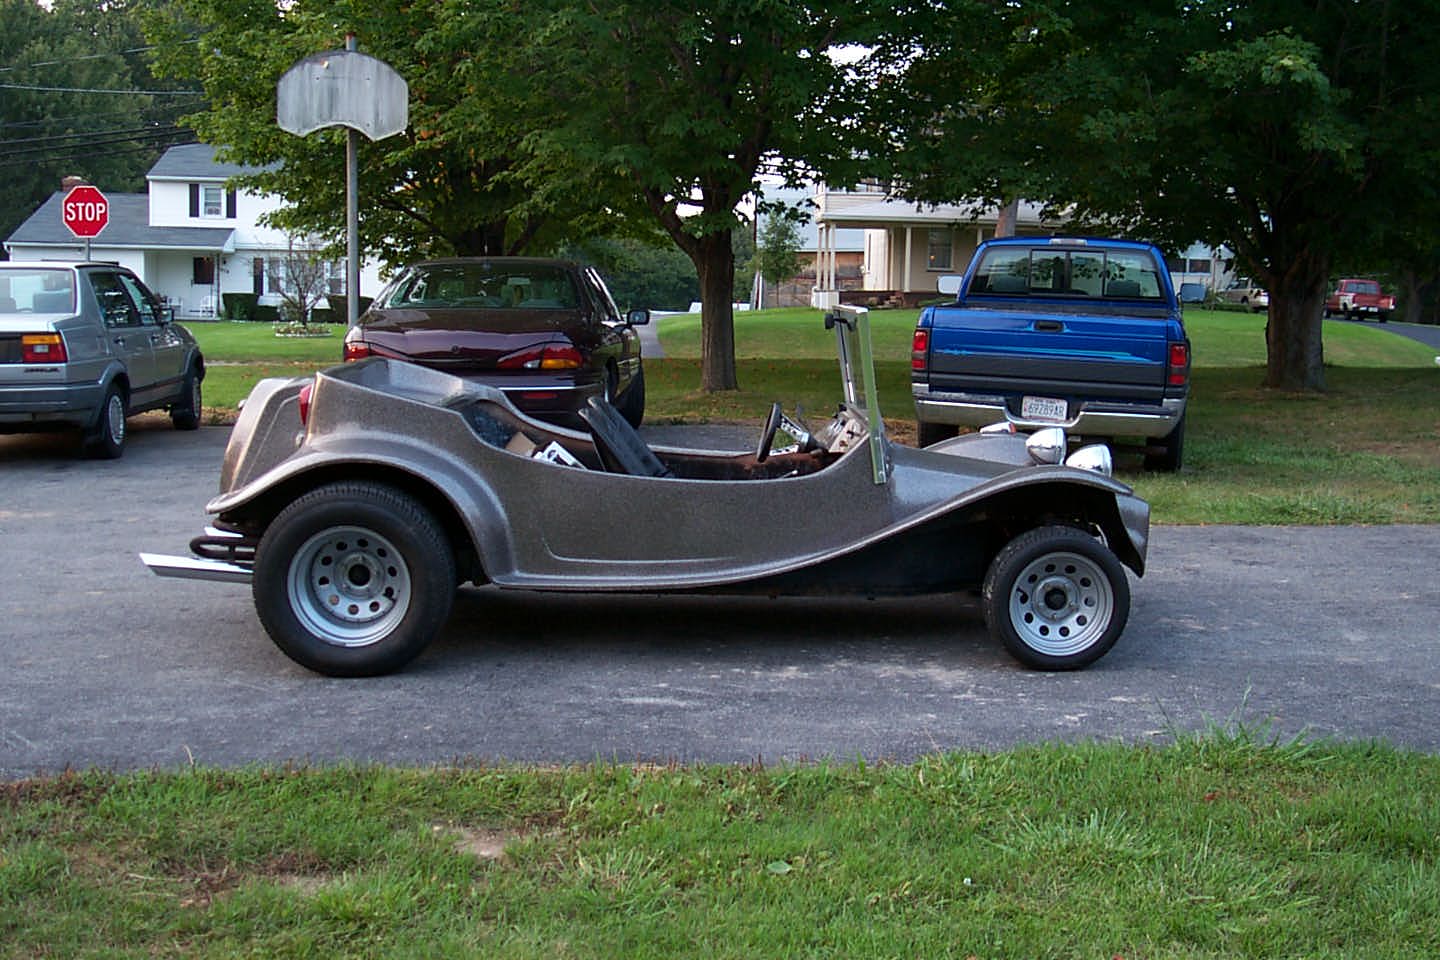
69,102
1302,134
457,181
689,103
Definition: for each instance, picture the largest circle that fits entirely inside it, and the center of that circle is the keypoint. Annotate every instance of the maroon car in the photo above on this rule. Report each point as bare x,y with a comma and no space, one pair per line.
547,332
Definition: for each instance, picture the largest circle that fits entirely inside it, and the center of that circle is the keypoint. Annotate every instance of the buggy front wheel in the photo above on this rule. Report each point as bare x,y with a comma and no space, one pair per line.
1057,598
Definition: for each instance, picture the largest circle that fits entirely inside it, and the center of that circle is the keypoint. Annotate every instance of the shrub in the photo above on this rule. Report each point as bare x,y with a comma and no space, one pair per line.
238,306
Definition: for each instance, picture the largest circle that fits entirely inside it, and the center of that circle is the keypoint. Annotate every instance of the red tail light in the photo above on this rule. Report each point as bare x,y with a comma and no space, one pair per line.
550,356
919,347
1178,365
357,350
305,393
42,348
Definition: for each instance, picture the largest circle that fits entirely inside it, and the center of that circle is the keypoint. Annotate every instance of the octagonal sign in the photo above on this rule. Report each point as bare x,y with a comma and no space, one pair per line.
85,211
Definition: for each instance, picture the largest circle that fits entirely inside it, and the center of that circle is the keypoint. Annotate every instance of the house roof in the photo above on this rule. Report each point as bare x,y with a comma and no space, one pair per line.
129,228
854,210
195,161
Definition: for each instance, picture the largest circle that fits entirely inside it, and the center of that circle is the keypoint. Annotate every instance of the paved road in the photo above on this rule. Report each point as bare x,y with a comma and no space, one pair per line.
1330,630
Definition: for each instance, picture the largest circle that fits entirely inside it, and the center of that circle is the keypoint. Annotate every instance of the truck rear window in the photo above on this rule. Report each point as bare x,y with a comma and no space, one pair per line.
1069,273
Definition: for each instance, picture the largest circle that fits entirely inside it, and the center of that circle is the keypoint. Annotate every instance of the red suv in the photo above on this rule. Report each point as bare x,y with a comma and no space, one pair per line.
1358,299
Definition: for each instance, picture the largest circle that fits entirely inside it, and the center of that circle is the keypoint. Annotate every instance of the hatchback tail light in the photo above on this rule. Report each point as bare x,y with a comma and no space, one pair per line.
550,356
919,347
42,348
1177,366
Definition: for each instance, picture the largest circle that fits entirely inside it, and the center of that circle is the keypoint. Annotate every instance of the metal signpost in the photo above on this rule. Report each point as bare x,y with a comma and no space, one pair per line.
348,89
86,212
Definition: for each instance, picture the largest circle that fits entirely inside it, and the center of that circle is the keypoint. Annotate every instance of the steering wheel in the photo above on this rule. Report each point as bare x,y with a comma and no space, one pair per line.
767,438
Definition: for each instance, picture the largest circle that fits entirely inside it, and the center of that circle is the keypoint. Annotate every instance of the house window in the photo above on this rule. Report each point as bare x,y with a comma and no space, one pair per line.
335,277
212,200
938,257
273,276
203,271
1199,266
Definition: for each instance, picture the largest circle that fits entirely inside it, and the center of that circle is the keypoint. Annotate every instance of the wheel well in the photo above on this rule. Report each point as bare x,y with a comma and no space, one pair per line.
1007,515
258,513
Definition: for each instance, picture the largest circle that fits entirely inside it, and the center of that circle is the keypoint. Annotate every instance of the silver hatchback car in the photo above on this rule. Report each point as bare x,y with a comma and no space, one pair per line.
85,345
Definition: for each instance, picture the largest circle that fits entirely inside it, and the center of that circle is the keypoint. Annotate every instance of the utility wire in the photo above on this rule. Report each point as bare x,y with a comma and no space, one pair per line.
94,56
128,93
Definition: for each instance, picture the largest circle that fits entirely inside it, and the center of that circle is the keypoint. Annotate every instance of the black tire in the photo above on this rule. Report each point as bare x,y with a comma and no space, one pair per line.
185,413
1172,451
632,404
928,433
105,440
1056,598
393,594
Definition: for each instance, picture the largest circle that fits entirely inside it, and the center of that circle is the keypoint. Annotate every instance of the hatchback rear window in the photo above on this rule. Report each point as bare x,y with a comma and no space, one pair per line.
37,290
1068,273
528,287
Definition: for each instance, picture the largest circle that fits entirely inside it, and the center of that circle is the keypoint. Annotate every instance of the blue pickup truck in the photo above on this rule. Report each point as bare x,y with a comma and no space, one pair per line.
1084,334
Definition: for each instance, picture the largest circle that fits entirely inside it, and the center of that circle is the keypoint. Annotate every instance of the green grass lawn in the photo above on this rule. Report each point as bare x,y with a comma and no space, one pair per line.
1215,846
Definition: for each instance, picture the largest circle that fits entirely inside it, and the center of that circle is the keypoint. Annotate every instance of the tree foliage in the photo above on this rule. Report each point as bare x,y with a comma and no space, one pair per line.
68,104
777,252
688,103
1301,134
458,181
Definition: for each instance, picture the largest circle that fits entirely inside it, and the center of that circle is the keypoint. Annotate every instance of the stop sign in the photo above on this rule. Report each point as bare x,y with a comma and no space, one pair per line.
85,211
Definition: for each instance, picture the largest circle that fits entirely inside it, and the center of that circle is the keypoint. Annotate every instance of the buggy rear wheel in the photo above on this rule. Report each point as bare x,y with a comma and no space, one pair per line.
354,579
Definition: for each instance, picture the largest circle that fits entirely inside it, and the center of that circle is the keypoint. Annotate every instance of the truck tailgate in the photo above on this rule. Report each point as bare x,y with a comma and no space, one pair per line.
1002,348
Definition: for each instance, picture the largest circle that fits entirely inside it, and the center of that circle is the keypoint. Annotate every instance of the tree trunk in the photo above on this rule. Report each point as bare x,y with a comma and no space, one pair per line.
1295,355
715,263
1006,219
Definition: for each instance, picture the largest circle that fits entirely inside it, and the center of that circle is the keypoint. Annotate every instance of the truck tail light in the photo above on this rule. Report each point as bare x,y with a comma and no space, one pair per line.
305,393
919,347
550,356
42,348
1177,367
357,350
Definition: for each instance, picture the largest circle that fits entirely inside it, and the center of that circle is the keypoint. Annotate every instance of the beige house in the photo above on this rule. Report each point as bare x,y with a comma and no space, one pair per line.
907,246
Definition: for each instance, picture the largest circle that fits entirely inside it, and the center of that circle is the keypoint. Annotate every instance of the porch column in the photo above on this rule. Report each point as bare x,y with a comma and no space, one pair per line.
824,296
905,273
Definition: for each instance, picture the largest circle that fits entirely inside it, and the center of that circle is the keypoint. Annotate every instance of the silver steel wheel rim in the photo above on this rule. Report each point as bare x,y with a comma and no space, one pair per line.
1061,603
349,586
115,419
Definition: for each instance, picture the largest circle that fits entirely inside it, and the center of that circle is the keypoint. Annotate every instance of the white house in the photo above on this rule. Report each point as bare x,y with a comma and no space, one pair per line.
909,246
189,237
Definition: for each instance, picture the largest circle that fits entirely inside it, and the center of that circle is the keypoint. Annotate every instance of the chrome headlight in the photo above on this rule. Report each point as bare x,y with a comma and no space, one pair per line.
1046,445
1094,457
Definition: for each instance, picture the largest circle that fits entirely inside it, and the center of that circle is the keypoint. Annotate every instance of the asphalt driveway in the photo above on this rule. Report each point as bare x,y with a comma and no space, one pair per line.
1330,631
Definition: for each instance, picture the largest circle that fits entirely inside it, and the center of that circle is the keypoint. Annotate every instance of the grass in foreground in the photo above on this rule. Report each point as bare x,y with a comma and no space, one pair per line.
1220,845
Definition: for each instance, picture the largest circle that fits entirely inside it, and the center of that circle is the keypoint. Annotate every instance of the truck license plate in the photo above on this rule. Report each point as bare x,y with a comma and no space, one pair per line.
1043,408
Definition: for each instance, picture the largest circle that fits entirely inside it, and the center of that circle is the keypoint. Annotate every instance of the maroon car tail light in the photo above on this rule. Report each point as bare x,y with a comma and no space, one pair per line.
42,348
919,347
305,393
1177,367
551,356
357,350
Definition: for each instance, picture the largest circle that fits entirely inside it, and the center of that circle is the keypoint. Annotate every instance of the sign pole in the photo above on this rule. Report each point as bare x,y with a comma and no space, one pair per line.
348,89
352,216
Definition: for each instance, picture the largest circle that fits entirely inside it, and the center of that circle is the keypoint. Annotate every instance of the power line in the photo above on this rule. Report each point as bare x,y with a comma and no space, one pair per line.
128,93
176,137
95,56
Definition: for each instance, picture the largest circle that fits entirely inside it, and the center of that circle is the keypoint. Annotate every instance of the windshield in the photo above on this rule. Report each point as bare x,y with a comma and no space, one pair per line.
857,374
483,284
36,290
